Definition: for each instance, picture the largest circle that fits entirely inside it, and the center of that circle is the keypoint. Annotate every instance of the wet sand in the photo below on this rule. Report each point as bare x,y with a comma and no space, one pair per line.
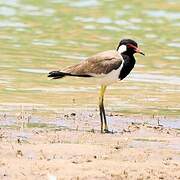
74,148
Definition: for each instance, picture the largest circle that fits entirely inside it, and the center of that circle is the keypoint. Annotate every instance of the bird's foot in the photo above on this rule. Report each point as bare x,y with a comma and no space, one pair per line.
108,132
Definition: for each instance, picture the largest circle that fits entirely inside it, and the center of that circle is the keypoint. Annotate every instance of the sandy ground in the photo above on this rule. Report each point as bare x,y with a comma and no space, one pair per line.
77,150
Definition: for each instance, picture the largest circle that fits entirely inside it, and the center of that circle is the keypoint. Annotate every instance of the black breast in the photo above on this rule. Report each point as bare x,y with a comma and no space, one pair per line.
128,65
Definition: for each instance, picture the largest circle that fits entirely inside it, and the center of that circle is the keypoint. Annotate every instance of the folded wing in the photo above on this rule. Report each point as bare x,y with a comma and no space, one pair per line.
101,63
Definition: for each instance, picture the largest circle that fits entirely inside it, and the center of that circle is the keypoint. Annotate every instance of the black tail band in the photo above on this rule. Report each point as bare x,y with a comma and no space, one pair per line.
59,74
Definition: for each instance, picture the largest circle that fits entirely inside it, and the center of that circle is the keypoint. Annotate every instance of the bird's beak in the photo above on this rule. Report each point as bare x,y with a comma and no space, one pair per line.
137,50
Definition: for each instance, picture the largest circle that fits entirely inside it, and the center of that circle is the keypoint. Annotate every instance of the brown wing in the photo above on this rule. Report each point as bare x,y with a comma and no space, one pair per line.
101,63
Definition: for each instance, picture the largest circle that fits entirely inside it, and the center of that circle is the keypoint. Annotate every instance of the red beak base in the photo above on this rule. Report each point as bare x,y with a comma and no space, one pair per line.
137,50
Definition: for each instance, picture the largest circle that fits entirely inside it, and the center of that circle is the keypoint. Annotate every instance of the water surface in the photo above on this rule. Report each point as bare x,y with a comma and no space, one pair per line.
40,36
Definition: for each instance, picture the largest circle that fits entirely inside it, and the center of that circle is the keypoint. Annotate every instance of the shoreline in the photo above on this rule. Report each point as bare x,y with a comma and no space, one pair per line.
75,149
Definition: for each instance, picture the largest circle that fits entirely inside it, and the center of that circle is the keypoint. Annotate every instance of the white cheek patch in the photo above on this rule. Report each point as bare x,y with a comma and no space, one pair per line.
122,48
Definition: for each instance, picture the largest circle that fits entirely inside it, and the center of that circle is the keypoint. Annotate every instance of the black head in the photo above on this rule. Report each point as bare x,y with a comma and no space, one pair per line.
128,46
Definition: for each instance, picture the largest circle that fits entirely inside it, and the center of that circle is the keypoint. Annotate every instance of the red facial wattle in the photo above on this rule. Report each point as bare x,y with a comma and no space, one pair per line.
136,49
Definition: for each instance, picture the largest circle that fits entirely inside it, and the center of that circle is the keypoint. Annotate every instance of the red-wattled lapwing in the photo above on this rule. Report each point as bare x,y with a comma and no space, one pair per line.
108,67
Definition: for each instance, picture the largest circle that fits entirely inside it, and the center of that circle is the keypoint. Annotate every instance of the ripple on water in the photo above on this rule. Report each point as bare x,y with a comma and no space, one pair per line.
151,36
105,20
102,20
32,10
111,28
73,57
3,82
121,22
176,24
44,42
133,27
40,12
154,78
9,2
84,19
7,11
174,44
84,4
136,20
58,1
12,24
163,14
172,57
38,71
61,89
90,27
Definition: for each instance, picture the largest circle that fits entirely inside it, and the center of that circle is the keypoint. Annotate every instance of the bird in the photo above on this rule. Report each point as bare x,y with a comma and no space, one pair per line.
108,67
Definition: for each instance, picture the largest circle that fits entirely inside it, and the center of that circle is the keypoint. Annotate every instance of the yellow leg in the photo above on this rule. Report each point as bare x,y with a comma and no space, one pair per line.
101,109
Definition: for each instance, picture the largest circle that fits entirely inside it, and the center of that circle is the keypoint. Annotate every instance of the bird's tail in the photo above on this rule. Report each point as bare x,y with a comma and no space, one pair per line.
59,74
56,74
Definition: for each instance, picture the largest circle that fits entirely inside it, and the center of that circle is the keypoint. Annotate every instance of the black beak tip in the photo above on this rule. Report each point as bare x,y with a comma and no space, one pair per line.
142,53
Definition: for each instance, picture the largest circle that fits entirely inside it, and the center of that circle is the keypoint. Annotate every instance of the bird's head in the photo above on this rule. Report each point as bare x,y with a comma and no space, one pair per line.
128,46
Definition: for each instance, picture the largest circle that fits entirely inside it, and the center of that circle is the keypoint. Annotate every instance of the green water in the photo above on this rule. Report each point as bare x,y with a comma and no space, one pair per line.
37,36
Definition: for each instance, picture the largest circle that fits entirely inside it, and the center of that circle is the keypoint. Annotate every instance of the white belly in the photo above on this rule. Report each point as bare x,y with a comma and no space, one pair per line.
112,77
